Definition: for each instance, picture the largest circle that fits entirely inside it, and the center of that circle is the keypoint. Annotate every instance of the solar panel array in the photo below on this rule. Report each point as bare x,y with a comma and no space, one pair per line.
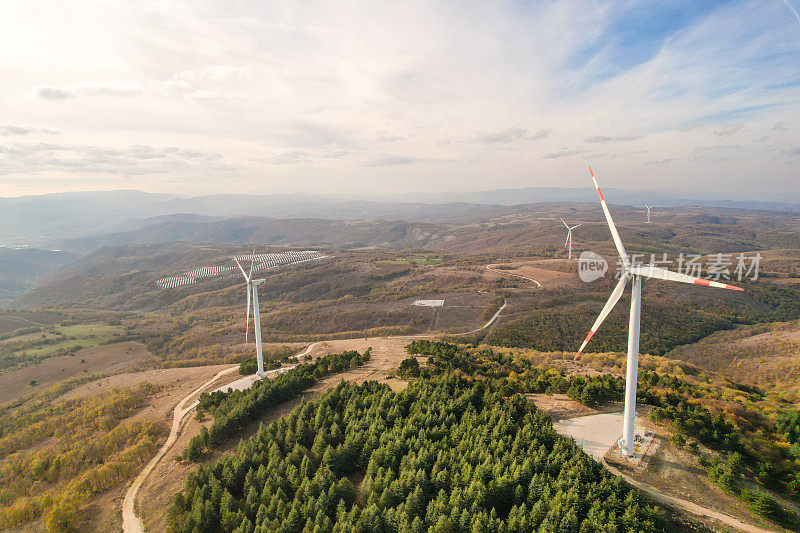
260,262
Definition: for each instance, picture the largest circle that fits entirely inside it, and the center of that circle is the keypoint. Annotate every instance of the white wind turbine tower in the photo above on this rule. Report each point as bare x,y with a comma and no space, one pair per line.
568,241
649,207
252,286
636,273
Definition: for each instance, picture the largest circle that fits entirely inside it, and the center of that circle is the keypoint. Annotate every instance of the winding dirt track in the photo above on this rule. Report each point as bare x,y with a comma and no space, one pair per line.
130,522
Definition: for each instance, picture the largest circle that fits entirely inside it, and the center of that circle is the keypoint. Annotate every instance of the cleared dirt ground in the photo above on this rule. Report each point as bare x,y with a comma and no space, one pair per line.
15,384
551,272
560,406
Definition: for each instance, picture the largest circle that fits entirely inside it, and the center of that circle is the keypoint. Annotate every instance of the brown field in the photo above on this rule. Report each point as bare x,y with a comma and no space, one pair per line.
549,272
784,281
11,320
10,323
108,358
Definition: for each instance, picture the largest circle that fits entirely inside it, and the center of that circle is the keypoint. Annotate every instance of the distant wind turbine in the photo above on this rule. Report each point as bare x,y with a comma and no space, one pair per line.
635,272
568,241
649,207
252,286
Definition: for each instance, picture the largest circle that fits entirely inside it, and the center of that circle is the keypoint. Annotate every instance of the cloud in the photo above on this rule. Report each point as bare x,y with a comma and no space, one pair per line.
505,136
717,147
793,10
727,132
605,139
540,134
276,92
17,129
291,157
388,138
780,126
131,160
562,153
64,93
53,93
387,160
304,134
792,152
510,135
660,161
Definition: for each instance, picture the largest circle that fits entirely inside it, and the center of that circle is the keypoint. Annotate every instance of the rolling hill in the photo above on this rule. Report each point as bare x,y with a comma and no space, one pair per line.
21,269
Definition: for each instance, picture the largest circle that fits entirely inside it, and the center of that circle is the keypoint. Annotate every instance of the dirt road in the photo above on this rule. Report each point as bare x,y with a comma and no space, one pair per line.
132,523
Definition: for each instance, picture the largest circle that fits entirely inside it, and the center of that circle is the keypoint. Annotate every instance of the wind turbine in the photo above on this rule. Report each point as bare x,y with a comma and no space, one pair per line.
649,207
568,241
247,278
636,273
252,286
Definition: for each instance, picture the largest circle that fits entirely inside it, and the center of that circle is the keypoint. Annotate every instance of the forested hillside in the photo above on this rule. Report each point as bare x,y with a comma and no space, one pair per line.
446,454
672,316
58,457
461,449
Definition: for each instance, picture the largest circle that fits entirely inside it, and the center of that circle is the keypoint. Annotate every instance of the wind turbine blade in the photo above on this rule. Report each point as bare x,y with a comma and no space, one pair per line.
240,268
616,294
252,260
565,224
573,227
668,275
247,326
617,241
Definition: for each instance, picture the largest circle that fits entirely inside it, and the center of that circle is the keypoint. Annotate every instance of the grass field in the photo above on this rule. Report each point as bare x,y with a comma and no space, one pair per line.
83,335
56,341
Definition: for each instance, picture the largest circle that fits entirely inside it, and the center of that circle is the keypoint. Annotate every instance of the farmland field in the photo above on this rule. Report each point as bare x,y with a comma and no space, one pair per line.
54,341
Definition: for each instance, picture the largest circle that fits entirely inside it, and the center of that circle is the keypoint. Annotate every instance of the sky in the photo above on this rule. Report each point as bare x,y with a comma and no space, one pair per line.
373,98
